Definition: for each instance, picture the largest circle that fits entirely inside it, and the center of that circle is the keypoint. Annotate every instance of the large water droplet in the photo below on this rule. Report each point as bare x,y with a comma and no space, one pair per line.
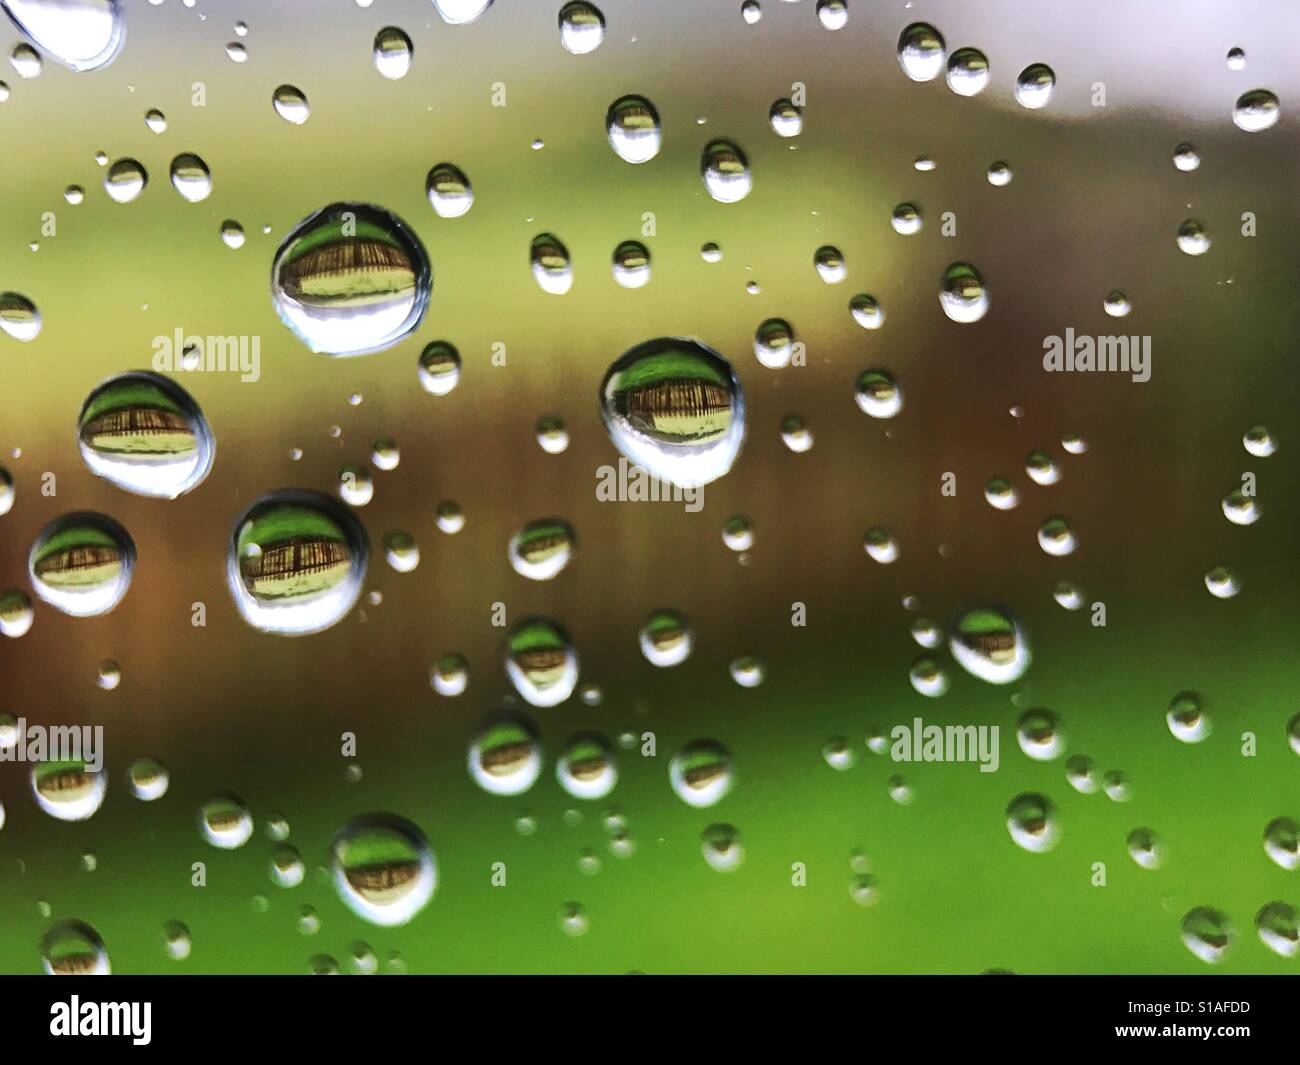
675,407
1034,86
392,52
725,171
1032,822
666,639
449,191
73,948
81,34
701,773
582,27
631,264
82,564
68,790
19,316
383,868
632,124
505,757
296,562
1208,934
1256,111
351,279
921,51
962,293
145,434
586,769
125,180
878,394
290,103
224,821
1282,842
541,662
439,368
191,177
1279,928
968,71
774,343
552,268
988,644
541,549
459,12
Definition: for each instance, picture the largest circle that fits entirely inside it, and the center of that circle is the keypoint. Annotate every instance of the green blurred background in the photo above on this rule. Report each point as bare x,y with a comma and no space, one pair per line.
1094,205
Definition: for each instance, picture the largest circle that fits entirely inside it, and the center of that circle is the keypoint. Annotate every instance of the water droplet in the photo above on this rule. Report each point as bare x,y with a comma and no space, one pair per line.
748,671
1068,595
999,174
82,564
1222,583
1056,537
928,677
1256,111
1034,86
308,922
392,53
962,293
16,613
631,264
401,551
1282,842
296,562
450,517
190,177
968,71
145,434
921,52
632,125
290,103
1041,469
725,170
666,639
586,769
505,757
1279,928
356,486
582,27
574,920
450,675
1039,734
1259,442
1032,822
81,34
1236,59
1185,157
125,180
795,434
1116,304
866,311
675,407
710,253
224,821
109,675
701,773
449,190
1241,509
236,52
1208,934
459,12
176,940
74,194
26,61
383,868
73,948
147,779
722,847
552,268
1192,238
351,279
1145,848
988,644
68,790
878,394
880,544
1001,494
738,533
774,343
541,662
751,11
19,317
785,118
541,549
1082,774
1116,786
906,219
232,234
552,436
